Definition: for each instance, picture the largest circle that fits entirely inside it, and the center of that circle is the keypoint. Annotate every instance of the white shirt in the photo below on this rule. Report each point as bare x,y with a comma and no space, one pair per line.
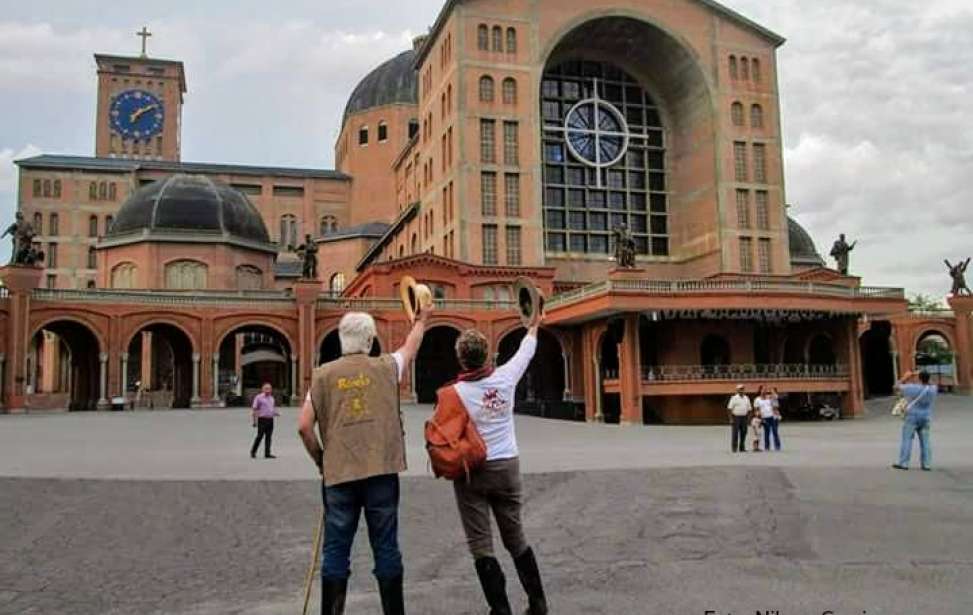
766,407
739,405
490,402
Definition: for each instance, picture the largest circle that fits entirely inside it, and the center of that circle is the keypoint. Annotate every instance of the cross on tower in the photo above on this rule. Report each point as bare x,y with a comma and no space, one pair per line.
145,34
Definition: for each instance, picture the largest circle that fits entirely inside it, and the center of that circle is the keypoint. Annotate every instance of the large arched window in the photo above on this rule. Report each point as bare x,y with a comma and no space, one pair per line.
288,231
511,40
483,37
249,277
510,91
337,283
497,38
186,275
604,154
486,88
736,114
123,275
756,116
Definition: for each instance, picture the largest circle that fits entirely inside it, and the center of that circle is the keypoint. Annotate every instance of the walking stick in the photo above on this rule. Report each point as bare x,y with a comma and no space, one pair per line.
309,581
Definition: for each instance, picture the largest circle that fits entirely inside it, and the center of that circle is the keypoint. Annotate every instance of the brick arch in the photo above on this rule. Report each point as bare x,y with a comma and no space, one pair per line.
227,325
174,320
99,335
927,329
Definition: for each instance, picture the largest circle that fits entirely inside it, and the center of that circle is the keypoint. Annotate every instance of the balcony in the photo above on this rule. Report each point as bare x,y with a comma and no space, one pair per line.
688,380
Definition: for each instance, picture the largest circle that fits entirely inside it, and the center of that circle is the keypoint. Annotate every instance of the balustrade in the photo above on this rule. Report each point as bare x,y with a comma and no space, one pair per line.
744,371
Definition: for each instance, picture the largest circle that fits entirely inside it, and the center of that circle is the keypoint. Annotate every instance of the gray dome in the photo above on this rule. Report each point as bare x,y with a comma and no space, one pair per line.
803,252
194,206
390,83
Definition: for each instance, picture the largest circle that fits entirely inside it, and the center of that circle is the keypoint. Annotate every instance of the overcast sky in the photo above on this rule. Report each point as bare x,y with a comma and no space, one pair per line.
875,95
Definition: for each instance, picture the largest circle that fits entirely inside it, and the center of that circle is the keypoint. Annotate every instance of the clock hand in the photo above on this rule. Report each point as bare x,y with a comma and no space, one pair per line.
140,112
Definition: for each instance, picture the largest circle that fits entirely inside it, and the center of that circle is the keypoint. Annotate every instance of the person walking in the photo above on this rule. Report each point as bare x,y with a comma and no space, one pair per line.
263,412
354,401
767,408
488,396
740,408
918,419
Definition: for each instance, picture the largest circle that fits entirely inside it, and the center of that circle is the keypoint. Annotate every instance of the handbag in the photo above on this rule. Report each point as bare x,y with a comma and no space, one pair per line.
453,443
902,407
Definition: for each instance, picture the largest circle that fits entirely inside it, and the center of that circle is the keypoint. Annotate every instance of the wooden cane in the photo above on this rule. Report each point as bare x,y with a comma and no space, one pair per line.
309,581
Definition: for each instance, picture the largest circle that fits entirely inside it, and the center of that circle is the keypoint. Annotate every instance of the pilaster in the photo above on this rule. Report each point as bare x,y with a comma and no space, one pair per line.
963,308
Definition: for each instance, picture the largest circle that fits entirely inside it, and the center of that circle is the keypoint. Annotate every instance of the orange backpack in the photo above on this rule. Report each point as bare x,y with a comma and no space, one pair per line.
454,445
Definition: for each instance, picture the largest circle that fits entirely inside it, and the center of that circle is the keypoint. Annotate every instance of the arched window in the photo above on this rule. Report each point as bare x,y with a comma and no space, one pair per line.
744,69
511,40
363,135
756,116
57,188
92,226
53,225
47,188
736,114
37,188
414,244
112,193
714,351
755,70
109,220
383,132
103,190
186,275
123,275
509,91
733,68
288,231
337,283
497,38
483,37
39,223
249,277
93,191
401,251
486,88
92,258
329,224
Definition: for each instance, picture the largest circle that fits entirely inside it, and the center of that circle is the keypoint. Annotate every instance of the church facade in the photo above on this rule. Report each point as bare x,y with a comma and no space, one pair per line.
515,139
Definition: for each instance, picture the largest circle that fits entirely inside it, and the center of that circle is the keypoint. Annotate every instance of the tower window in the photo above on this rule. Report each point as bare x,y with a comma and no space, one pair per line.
509,91
746,255
755,70
760,163
497,38
488,145
740,162
756,116
488,194
383,132
733,68
483,37
489,244
486,89
736,114
363,135
511,40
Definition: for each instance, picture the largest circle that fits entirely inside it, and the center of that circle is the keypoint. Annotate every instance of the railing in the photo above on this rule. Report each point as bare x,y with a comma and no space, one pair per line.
380,304
744,371
924,314
684,287
262,298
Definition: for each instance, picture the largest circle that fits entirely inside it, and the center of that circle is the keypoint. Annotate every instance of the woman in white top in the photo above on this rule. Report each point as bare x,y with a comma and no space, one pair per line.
768,414
488,395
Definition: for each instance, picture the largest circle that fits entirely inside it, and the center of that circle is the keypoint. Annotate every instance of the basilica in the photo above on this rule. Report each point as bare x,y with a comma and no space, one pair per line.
515,138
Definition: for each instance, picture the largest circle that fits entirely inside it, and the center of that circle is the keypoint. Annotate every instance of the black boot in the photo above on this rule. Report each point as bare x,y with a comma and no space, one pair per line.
393,602
333,596
530,578
494,585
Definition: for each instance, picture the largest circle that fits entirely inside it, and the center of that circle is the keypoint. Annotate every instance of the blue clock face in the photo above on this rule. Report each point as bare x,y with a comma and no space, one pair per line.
137,114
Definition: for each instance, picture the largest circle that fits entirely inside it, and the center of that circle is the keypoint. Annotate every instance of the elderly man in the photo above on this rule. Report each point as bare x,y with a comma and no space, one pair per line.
355,403
263,412
740,408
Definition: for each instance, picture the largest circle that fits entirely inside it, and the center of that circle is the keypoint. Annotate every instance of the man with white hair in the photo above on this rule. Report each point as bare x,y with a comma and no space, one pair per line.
355,403
740,408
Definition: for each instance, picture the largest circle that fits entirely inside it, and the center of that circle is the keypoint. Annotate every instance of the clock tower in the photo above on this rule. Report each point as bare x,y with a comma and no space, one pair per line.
139,106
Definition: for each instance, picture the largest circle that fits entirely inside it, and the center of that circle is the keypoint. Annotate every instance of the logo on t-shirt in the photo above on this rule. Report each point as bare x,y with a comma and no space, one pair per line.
494,403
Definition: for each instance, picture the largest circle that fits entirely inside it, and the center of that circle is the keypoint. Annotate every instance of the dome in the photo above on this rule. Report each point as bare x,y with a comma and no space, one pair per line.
390,83
803,252
191,207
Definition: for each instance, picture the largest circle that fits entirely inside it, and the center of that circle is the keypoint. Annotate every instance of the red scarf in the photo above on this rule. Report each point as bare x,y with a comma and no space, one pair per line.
475,374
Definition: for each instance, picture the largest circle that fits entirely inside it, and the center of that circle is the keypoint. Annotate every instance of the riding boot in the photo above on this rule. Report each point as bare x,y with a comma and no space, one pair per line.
333,596
393,602
530,578
494,585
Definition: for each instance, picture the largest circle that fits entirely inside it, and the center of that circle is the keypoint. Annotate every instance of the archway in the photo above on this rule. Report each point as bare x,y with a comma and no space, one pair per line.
160,367
436,363
934,355
63,366
878,367
543,383
250,356
611,403
331,348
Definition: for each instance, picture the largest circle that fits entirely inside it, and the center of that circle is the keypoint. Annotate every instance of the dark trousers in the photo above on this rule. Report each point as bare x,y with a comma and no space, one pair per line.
495,488
343,504
265,430
770,427
739,437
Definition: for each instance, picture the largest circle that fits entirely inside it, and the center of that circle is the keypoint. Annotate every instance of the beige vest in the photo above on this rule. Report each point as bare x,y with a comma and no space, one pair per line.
356,402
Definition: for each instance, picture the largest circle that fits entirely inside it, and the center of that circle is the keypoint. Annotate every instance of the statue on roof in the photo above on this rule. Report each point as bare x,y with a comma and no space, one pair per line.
624,247
958,273
841,251
23,251
308,252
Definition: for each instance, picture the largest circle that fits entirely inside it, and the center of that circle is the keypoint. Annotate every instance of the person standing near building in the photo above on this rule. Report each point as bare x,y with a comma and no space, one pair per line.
740,408
488,396
767,408
263,413
355,403
918,419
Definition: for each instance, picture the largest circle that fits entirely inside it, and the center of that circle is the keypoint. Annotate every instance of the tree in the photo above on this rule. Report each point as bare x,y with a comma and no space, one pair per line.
921,303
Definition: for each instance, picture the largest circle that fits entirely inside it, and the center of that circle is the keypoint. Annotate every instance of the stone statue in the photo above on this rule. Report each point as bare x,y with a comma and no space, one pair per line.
23,251
624,247
309,257
958,273
840,252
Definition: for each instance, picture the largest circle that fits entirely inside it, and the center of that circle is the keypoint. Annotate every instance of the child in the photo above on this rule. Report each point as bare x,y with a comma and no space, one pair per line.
757,426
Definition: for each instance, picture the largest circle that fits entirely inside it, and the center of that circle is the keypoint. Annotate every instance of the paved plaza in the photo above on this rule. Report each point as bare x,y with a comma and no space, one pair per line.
164,513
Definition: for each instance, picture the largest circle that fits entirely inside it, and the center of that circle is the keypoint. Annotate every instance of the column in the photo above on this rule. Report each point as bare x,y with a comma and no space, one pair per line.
295,389
216,377
630,372
103,381
196,358
567,376
856,395
238,363
599,416
147,367
2,374
124,359
963,307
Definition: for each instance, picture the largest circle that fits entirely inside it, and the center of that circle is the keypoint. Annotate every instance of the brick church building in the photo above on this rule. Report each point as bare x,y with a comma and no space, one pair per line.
511,140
